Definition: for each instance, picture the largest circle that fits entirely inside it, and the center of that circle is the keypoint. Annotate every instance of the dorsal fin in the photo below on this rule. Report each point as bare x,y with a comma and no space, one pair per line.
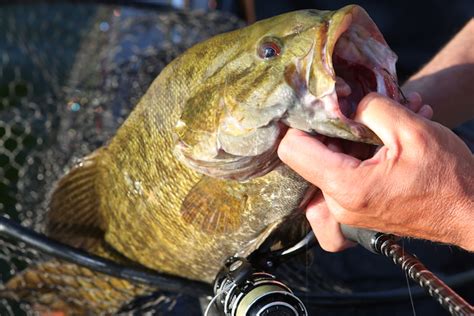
74,215
213,207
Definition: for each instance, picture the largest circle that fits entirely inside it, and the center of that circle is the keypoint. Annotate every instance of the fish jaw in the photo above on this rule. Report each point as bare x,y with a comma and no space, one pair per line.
348,60
231,128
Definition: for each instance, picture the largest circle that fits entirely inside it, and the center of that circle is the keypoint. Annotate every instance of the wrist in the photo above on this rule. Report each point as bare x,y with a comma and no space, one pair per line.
463,213
466,225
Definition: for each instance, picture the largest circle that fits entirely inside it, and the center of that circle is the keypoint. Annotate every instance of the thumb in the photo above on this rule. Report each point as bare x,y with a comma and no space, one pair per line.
386,118
313,160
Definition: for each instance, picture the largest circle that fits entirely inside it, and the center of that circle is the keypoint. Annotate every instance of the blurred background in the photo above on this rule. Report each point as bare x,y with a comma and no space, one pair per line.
71,71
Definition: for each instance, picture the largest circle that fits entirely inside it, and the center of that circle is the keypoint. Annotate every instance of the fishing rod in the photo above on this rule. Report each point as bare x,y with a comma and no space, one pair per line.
244,290
386,245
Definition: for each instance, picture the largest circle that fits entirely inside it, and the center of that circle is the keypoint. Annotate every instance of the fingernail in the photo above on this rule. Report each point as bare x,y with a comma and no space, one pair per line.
414,96
426,111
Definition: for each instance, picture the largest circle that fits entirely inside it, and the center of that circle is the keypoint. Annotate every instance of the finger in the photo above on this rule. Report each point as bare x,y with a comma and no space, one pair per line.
426,111
313,160
388,119
325,227
414,101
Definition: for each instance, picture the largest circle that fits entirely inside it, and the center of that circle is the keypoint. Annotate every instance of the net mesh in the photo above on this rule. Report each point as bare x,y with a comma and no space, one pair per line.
69,75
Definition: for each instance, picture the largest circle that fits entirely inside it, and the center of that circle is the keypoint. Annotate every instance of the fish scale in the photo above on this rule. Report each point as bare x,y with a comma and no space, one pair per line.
170,197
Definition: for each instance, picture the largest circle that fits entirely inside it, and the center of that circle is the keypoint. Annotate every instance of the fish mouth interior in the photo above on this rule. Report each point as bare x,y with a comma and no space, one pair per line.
362,65
353,82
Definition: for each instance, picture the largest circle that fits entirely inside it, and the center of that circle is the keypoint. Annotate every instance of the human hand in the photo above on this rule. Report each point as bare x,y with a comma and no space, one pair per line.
364,151
419,184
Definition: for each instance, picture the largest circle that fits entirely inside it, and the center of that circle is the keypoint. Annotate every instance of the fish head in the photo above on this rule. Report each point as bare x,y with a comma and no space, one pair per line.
304,69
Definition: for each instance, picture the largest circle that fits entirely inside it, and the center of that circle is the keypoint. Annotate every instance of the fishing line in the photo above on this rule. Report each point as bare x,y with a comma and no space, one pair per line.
213,300
408,285
211,303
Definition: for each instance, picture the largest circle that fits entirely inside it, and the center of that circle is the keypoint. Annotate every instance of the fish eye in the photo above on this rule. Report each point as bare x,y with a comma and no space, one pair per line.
269,48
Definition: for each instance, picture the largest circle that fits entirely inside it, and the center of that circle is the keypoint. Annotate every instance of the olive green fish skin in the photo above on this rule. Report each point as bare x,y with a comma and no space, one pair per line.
144,210
142,185
192,176
231,119
172,218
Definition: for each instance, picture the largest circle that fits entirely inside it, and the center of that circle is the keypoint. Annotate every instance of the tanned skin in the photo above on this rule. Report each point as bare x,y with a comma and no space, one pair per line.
445,82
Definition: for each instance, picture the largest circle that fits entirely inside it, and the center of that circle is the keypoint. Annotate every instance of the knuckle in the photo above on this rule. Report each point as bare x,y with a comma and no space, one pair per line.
316,217
344,217
353,209
419,137
358,200
336,184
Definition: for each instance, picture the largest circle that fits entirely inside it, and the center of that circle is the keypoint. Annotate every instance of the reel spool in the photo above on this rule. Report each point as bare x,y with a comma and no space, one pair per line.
246,292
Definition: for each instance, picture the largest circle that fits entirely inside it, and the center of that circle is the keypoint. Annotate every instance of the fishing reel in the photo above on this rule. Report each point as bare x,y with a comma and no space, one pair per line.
244,287
242,290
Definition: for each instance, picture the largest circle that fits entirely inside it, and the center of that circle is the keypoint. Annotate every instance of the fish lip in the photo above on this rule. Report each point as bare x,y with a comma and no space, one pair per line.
318,95
381,62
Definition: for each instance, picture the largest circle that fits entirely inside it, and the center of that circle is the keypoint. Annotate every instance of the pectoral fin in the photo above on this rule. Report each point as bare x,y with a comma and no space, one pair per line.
214,207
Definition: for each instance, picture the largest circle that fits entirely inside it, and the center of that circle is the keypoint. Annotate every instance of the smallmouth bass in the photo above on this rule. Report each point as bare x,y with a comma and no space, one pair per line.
192,176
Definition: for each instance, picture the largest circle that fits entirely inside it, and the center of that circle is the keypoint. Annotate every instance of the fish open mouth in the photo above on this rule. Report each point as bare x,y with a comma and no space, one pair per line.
362,63
348,60
353,82
345,57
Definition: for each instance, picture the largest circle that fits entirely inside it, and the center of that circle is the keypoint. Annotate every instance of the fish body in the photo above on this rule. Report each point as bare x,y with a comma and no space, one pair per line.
192,176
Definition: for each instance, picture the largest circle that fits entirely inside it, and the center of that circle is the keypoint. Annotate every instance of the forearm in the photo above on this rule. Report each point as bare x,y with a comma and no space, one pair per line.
465,236
447,81
463,212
